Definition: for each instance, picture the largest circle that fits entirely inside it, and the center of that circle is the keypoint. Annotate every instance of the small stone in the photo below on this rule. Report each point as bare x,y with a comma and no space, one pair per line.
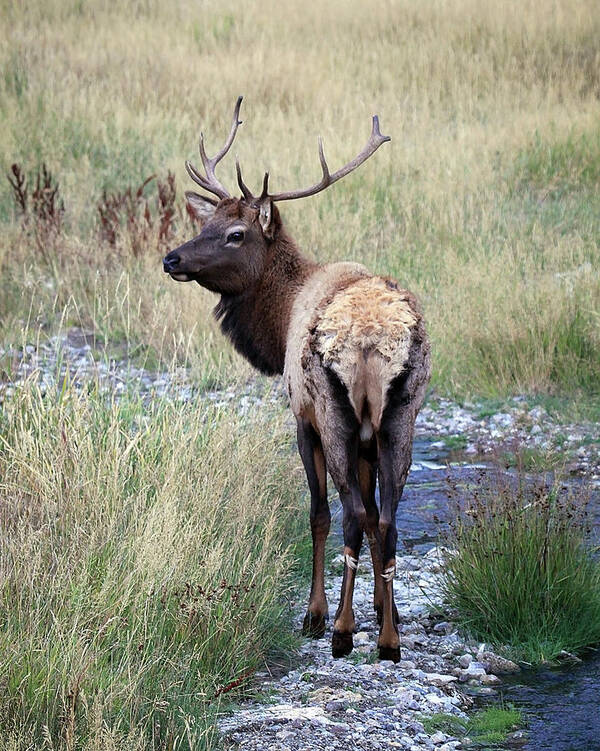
465,660
436,679
335,706
497,665
474,671
439,737
443,627
407,665
490,680
283,735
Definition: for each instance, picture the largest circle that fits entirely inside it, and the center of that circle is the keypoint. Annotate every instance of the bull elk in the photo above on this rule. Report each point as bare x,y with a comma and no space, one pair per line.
354,355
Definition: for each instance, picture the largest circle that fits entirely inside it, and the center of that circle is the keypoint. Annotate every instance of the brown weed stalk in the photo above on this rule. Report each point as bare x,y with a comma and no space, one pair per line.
43,212
130,214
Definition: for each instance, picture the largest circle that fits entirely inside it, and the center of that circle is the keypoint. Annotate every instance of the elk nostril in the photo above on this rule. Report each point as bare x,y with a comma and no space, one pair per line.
171,261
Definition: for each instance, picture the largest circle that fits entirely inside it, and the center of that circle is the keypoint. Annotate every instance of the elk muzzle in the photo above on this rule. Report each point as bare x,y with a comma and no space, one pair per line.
170,265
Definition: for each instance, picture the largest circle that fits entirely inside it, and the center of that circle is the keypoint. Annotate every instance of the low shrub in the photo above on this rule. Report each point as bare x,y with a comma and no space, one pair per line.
519,571
131,217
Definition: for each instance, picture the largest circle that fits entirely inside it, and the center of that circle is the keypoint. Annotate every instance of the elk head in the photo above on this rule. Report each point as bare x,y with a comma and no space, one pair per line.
230,252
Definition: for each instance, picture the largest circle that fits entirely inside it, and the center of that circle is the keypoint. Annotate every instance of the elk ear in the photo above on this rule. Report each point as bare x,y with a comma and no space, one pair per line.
201,208
265,218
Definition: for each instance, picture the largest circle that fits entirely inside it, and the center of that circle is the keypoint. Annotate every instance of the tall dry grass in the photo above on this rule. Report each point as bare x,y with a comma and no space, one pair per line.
147,553
470,91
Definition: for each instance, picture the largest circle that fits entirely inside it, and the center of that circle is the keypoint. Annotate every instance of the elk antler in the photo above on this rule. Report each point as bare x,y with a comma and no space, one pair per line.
374,142
210,182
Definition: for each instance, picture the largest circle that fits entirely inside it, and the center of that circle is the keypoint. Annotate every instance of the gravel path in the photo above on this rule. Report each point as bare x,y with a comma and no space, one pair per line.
363,703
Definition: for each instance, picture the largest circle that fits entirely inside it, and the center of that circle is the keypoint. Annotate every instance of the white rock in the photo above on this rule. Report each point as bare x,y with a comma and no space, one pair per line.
437,679
474,670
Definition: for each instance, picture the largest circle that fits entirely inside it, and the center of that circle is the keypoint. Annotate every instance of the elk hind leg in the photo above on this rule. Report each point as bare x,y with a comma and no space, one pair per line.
311,451
353,523
367,466
394,454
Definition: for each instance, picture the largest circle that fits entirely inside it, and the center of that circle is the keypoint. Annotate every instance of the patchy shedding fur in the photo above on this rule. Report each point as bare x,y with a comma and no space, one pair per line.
364,336
318,289
361,326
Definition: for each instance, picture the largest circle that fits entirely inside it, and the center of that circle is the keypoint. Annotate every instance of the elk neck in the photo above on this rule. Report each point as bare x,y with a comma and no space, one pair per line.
257,320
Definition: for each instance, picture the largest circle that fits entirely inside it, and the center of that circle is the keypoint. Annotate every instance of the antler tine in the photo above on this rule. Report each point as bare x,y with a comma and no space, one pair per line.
374,142
236,122
243,187
196,176
210,182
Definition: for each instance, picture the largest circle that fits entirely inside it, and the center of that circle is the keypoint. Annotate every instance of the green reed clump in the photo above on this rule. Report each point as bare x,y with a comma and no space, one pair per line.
519,571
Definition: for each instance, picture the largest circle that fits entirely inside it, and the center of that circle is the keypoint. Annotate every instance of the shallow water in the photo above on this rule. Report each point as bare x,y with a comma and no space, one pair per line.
561,705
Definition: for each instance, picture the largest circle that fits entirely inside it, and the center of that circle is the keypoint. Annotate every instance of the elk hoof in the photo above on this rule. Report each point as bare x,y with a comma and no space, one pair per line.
341,644
389,653
314,625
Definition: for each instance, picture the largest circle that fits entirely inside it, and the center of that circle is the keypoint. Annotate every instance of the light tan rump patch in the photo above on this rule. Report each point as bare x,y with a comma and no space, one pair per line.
364,336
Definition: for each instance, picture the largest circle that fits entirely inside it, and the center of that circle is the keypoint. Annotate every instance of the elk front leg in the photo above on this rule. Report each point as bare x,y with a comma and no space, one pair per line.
313,459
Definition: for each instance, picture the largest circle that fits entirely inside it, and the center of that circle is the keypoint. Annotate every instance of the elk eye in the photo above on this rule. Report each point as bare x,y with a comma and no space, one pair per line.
235,237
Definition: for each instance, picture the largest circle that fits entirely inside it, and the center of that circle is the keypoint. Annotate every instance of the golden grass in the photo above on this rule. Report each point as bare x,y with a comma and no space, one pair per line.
109,94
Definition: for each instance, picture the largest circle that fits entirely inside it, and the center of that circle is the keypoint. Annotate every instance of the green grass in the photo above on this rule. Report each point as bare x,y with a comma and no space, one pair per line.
530,459
519,572
145,566
455,442
487,727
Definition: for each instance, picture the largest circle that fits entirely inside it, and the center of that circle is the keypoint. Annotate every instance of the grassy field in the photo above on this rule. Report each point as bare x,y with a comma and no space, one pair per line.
486,203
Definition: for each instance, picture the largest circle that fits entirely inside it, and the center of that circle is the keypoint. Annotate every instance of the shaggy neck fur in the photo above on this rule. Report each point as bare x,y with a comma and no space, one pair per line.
257,320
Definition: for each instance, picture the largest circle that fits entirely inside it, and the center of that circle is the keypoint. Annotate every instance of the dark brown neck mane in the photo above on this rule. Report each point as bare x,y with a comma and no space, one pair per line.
257,320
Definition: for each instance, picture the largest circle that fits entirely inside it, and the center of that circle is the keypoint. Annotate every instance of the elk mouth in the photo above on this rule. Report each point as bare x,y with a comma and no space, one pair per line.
180,276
